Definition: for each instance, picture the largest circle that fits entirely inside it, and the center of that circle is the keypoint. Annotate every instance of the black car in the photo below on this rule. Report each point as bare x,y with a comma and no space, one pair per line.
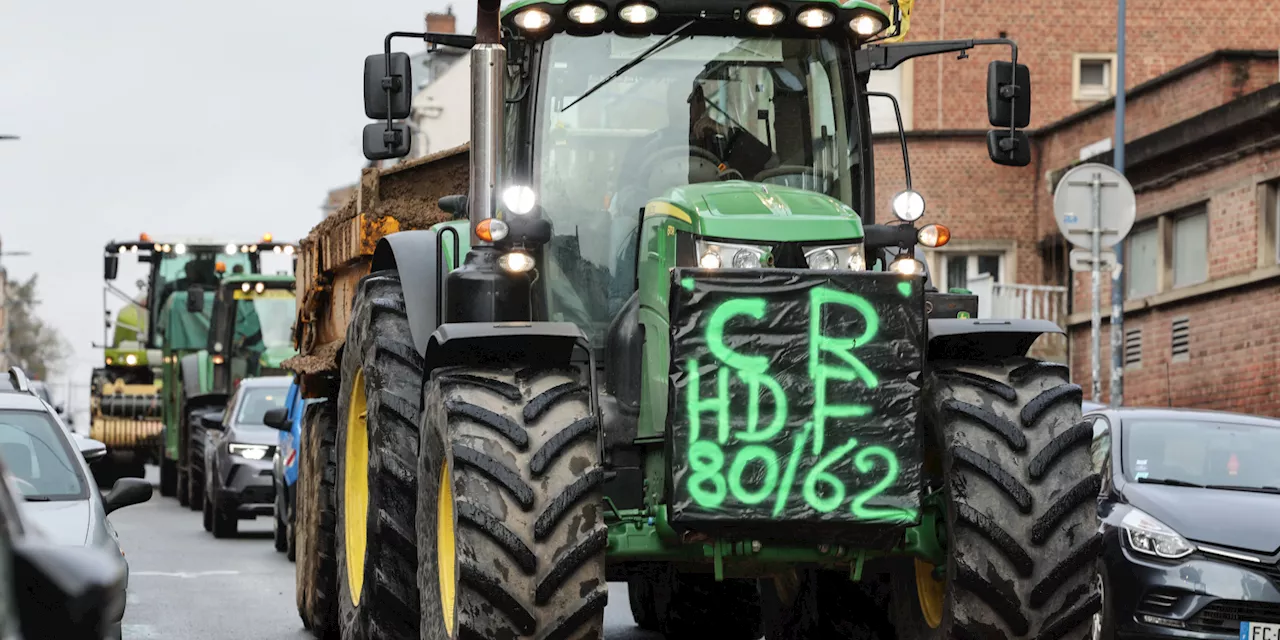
239,447
1190,510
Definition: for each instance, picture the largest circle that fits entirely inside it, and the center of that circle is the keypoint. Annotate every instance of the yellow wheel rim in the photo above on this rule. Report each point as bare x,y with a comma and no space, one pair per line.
446,549
355,487
931,593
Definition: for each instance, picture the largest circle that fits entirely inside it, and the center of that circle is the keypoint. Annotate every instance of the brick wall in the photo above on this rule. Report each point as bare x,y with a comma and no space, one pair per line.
1161,35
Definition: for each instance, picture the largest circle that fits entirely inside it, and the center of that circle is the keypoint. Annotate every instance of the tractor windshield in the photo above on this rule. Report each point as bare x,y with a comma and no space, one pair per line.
178,271
263,329
701,108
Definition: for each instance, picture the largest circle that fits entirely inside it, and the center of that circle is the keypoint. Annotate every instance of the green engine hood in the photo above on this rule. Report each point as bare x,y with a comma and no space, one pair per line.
753,211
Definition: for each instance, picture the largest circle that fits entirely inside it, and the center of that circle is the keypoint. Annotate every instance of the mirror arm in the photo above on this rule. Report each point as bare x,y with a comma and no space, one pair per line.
391,83
902,132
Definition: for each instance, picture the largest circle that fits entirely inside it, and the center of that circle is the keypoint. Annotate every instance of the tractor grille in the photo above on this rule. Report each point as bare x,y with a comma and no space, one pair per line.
1225,616
131,406
124,433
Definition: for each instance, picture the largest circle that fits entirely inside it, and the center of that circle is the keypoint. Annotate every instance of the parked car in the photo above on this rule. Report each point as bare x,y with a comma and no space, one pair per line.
238,454
288,421
47,468
1190,509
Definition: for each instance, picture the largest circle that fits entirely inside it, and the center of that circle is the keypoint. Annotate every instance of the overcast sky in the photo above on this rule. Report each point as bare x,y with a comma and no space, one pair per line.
226,119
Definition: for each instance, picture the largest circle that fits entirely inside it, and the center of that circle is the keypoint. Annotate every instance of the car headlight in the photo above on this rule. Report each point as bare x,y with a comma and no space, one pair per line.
713,255
1147,535
843,256
249,451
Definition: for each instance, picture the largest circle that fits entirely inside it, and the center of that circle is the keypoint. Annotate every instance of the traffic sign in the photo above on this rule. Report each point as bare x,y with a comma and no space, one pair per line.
1073,205
1082,260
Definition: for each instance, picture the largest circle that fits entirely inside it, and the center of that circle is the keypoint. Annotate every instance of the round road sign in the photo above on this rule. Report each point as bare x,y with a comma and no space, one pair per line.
1073,205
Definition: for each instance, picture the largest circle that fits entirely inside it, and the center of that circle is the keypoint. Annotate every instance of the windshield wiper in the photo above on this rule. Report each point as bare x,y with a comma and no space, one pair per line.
1239,487
37,498
1171,482
644,55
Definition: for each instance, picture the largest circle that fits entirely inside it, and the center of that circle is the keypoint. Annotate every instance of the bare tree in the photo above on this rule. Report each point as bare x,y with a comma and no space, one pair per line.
33,344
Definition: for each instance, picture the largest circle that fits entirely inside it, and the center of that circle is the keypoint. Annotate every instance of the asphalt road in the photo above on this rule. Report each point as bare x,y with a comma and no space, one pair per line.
183,583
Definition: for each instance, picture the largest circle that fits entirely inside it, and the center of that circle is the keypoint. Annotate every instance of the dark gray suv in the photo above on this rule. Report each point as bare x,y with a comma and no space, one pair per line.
238,456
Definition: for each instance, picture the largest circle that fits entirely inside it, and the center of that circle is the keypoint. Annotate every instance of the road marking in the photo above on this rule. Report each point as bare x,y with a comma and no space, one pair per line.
184,574
139,631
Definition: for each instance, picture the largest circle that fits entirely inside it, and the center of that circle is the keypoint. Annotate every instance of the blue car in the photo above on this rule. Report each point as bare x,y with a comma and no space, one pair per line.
285,471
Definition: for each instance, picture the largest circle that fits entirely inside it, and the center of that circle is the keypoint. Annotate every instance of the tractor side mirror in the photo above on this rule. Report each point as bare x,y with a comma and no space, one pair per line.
1009,148
383,144
378,105
277,419
1008,94
195,299
455,206
110,267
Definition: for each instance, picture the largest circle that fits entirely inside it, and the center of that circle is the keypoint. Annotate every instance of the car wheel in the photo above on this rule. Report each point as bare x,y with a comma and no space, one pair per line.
278,528
225,525
207,508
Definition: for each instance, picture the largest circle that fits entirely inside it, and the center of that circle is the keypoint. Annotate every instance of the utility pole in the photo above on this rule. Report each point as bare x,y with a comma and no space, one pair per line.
1117,277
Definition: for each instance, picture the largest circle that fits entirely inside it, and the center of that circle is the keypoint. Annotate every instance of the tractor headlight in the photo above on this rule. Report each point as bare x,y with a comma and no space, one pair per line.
249,451
908,206
713,255
1152,537
131,360
533,19
843,256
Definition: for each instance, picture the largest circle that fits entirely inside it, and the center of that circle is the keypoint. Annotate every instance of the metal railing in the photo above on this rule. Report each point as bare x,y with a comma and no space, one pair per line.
1019,301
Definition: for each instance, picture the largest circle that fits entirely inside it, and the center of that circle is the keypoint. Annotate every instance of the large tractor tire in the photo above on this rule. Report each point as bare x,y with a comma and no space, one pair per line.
641,594
511,533
376,448
168,477
1021,524
694,606
819,605
316,574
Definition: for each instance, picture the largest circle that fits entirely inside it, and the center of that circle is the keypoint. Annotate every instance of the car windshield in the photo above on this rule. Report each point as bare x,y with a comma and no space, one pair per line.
700,109
1201,452
38,455
256,401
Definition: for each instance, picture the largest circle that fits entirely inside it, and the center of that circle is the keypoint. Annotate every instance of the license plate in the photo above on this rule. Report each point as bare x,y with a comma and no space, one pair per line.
1259,631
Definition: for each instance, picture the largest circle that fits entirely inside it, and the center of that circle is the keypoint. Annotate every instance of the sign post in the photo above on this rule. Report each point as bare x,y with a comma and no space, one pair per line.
1094,206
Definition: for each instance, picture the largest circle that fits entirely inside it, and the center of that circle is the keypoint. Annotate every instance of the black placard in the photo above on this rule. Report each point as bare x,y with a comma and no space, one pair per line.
803,385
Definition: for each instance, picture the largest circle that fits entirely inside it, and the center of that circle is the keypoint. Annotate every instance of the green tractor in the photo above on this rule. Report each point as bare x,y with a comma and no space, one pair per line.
680,353
134,395
250,335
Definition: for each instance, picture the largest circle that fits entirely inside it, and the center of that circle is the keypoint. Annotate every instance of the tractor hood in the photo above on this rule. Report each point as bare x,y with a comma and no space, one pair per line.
755,211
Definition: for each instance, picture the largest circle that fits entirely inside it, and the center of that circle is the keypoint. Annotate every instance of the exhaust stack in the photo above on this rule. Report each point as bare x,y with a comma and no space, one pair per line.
488,101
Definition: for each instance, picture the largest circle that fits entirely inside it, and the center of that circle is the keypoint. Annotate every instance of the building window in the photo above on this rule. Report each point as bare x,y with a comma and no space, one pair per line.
1190,248
958,269
1142,261
1094,76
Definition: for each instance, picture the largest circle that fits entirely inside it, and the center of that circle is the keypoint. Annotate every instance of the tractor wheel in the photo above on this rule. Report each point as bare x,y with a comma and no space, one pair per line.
1021,524
511,533
183,488
641,593
316,573
694,606
105,472
378,411
168,477
816,605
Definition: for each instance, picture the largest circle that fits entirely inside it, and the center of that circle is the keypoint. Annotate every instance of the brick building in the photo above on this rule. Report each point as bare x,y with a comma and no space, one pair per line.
1203,109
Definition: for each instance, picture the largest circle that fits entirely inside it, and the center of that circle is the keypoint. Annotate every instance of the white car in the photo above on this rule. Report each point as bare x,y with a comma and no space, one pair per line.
49,468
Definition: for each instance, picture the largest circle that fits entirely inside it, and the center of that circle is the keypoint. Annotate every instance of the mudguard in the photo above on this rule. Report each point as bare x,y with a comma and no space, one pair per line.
503,344
984,338
415,256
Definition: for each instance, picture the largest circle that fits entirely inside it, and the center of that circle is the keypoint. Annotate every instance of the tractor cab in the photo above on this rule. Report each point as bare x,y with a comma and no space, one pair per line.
251,331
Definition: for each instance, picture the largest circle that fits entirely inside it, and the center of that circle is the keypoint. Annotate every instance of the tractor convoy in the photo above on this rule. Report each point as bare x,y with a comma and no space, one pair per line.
643,327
